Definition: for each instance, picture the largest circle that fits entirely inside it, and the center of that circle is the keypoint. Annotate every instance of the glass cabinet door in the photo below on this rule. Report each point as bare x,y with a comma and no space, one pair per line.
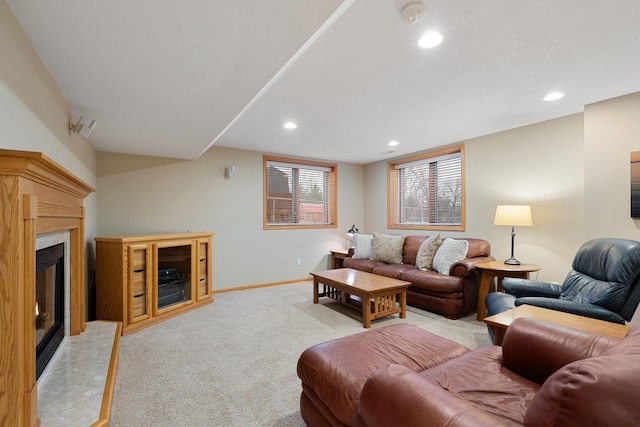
174,274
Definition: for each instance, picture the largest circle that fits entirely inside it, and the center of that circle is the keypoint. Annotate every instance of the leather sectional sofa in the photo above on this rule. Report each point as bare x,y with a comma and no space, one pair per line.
453,296
543,375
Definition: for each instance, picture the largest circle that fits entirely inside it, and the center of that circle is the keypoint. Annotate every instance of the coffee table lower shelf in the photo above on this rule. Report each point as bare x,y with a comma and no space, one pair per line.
385,296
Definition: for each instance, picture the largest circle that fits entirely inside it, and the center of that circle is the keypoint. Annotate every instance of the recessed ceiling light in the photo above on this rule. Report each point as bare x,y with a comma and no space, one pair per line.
393,143
290,125
430,39
553,96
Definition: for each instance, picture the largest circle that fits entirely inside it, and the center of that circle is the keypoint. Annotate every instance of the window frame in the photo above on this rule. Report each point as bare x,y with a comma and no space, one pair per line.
393,196
331,197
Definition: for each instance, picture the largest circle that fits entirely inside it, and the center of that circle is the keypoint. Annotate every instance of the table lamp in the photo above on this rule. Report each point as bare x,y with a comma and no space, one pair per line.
513,215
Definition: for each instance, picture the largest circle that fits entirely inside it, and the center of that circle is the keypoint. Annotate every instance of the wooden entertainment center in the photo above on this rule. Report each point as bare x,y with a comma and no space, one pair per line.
130,282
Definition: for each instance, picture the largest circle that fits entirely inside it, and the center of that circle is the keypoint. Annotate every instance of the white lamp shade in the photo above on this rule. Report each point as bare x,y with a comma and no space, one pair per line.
514,215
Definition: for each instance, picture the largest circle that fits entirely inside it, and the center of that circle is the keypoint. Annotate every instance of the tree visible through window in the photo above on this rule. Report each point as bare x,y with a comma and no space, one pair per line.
300,194
426,191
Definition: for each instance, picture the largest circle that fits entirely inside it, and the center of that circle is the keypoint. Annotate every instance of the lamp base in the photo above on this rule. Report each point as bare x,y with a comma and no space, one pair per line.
512,261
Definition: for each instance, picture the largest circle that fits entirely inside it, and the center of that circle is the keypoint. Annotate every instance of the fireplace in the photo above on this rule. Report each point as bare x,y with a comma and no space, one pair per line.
37,198
50,304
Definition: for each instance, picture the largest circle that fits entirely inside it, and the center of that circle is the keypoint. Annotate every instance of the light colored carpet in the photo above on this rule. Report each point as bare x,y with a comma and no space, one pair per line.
233,363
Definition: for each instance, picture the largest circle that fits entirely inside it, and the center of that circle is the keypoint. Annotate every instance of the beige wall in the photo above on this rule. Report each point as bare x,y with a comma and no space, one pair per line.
147,194
573,171
563,168
540,165
34,116
612,132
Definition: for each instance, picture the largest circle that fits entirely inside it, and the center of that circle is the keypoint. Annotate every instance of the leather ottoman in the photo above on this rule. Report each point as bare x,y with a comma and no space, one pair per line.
333,373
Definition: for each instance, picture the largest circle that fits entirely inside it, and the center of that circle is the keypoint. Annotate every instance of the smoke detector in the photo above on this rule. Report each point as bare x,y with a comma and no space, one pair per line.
413,12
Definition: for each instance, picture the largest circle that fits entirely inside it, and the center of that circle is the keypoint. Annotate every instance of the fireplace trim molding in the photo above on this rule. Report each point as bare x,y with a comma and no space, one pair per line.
37,196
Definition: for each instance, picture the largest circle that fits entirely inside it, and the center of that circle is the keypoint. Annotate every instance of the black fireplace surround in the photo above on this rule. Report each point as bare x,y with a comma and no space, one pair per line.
49,311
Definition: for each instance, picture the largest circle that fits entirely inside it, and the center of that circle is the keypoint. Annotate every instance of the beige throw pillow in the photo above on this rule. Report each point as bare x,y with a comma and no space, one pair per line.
449,252
387,248
428,249
362,246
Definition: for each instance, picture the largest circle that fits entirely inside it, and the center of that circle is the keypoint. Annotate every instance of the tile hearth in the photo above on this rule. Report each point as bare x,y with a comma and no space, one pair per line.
72,390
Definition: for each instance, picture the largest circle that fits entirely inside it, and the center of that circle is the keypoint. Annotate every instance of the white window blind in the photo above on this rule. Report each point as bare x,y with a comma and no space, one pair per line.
427,191
298,194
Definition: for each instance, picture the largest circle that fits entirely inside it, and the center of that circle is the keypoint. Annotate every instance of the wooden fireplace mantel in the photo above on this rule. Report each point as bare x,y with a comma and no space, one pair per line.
36,196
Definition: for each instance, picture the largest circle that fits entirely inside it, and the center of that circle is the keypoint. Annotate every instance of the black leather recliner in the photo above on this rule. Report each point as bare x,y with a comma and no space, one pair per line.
604,283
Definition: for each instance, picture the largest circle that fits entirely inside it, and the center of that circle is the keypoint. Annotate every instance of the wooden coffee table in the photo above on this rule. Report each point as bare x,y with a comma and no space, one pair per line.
501,321
378,295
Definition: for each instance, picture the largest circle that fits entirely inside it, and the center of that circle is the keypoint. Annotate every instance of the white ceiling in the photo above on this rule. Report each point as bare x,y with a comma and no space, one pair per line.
171,78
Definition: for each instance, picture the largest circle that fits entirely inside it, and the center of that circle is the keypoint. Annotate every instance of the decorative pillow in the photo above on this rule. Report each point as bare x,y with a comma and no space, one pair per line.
362,246
424,259
387,248
449,252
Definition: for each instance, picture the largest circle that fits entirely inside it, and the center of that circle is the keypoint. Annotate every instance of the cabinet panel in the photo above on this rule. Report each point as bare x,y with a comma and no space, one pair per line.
139,282
139,278
139,260
204,279
139,307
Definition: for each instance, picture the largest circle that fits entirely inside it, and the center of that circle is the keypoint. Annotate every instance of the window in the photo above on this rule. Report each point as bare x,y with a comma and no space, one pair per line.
426,191
299,193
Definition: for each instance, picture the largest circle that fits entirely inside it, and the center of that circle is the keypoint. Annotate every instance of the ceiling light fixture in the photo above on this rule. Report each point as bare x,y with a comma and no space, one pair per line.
430,39
290,125
553,96
413,12
393,143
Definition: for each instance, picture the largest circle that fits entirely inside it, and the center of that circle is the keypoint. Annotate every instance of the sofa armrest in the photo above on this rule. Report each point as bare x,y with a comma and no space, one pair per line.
535,349
466,266
530,288
580,309
351,251
397,396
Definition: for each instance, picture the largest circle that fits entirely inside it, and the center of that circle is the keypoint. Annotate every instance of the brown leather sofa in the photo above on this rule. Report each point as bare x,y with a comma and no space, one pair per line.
543,375
453,296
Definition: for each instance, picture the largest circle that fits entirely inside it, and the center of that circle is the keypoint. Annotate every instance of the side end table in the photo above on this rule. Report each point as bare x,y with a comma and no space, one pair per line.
501,321
491,269
337,257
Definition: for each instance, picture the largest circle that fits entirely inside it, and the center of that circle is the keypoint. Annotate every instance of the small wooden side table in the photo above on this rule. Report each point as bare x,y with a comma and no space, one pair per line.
491,269
501,321
337,257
